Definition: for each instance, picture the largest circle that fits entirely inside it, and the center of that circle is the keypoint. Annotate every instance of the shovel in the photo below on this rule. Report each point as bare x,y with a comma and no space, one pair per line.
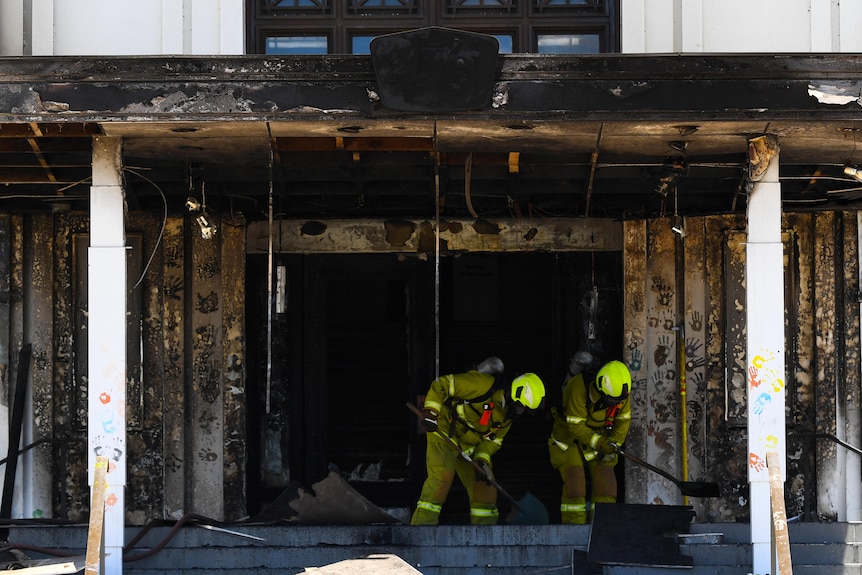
526,511
689,488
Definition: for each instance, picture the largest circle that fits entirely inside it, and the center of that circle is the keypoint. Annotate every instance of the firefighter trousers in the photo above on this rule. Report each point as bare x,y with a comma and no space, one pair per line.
442,463
570,463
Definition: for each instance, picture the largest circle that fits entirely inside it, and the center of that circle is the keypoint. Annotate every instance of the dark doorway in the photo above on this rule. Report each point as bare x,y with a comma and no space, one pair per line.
357,340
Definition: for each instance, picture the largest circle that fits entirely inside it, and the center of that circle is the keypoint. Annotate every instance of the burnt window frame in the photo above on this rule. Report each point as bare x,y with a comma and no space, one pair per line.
523,23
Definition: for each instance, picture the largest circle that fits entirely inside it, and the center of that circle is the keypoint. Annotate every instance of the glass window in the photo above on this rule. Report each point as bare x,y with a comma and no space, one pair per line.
361,44
563,6
567,3
506,42
561,43
382,7
482,6
297,45
348,26
270,7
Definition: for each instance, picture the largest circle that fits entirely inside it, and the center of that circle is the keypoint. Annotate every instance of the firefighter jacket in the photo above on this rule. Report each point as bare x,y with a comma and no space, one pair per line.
586,418
471,411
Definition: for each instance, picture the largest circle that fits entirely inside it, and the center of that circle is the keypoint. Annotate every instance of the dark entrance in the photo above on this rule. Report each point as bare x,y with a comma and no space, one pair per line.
356,341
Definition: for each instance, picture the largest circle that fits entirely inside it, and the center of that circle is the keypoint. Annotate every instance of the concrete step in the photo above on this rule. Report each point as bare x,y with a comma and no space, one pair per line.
851,569
286,550
821,549
696,570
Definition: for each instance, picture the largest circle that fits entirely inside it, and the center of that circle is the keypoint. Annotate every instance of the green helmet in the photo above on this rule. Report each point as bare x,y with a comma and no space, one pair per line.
528,390
614,381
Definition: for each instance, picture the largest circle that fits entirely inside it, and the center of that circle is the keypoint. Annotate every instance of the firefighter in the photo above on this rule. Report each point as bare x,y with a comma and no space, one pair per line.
476,414
595,421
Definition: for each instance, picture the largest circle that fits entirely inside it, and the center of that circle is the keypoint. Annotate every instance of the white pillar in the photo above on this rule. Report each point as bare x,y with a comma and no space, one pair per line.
764,276
106,328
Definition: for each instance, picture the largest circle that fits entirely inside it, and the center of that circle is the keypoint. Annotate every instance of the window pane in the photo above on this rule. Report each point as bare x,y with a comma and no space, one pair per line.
294,7
481,6
382,7
297,45
563,5
361,45
566,2
569,43
505,41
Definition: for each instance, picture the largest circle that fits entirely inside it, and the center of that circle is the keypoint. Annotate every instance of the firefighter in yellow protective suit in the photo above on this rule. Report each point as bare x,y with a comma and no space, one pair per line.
595,420
476,414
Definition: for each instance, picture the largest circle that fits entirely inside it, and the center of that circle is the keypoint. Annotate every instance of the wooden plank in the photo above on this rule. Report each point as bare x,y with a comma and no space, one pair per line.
779,516
95,532
50,566
354,144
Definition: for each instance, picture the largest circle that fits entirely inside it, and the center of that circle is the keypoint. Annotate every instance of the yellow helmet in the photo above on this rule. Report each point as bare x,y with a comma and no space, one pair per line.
528,390
614,381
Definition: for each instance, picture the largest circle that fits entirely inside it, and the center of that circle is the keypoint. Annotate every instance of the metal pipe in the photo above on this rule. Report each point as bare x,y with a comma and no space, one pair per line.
269,290
436,257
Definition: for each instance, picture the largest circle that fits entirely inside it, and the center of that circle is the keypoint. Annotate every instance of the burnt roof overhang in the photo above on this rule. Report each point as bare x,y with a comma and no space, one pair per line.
602,135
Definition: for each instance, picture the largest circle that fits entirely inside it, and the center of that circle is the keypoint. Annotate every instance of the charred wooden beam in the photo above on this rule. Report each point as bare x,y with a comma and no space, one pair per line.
417,236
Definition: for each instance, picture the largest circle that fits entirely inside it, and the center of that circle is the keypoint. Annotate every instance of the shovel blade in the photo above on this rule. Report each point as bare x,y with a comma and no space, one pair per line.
528,511
699,489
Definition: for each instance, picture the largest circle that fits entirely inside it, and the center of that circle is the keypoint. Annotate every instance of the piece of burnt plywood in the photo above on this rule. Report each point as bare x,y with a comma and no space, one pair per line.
630,534
332,502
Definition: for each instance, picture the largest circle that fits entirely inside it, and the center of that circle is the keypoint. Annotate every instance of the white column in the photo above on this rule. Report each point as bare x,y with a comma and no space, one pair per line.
764,276
106,328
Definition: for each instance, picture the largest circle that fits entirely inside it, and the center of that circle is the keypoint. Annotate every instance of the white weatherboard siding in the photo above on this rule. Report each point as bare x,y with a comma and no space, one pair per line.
121,27
740,26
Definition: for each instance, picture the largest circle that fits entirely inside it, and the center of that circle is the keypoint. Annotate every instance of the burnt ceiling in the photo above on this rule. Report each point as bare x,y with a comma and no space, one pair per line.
602,136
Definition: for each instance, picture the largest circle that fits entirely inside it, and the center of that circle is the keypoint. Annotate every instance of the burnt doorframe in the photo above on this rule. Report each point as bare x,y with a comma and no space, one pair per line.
299,372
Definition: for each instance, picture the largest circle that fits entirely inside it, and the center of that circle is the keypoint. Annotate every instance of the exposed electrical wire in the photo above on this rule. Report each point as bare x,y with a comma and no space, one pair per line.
161,232
468,176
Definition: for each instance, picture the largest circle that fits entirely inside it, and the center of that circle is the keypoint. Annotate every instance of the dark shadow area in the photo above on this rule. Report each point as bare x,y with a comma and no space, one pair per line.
356,341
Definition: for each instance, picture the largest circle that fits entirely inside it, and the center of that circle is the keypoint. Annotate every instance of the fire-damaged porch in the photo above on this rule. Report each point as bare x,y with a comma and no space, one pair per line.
303,259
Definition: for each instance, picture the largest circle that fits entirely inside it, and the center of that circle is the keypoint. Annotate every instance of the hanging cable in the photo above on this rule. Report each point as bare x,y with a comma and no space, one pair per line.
161,231
468,177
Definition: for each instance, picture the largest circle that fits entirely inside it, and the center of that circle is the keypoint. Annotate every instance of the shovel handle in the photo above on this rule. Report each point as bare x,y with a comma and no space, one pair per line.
649,466
475,465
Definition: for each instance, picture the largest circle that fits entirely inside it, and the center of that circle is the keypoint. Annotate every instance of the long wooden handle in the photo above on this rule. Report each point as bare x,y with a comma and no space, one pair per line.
779,515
